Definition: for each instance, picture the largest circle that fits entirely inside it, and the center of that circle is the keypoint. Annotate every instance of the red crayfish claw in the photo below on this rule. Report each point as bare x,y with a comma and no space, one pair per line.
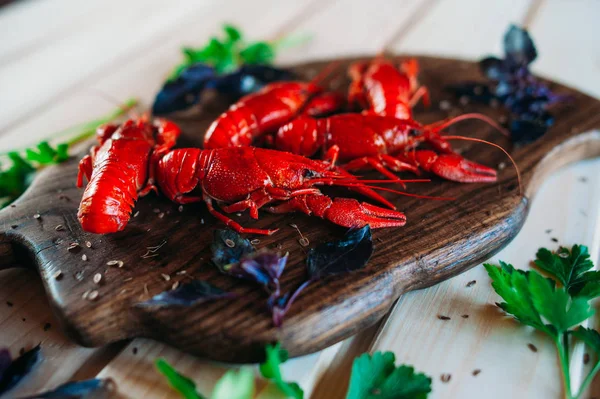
453,167
344,212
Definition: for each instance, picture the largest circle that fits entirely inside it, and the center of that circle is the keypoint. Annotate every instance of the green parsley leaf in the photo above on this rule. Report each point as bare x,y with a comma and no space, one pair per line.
270,369
15,179
556,305
589,336
179,382
258,53
513,286
233,34
46,155
570,268
235,384
377,377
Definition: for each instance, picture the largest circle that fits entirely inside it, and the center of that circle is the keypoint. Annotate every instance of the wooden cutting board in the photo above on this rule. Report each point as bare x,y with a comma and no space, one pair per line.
440,240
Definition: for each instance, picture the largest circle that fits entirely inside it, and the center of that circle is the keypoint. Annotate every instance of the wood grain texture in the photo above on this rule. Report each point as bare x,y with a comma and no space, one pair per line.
441,239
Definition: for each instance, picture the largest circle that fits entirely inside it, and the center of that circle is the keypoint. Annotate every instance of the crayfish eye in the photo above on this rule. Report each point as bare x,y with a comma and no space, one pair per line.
308,173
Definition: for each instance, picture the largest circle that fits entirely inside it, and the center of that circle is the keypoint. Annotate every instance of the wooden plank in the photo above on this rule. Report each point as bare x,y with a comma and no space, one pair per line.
135,29
571,55
27,26
26,320
496,344
462,28
143,74
360,28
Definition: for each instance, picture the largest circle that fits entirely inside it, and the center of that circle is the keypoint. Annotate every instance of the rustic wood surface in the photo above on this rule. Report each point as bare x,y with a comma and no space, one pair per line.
50,69
440,240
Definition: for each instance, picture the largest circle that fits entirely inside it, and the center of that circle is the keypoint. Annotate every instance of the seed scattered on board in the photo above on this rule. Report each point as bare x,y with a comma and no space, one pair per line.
255,241
442,317
97,278
532,347
84,257
59,227
57,275
175,285
73,246
88,244
471,283
37,216
90,295
117,263
166,277
136,214
446,377
476,372
229,243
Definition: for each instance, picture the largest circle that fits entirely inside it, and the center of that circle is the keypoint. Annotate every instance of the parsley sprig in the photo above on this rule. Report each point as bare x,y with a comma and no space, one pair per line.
373,376
17,174
229,52
557,305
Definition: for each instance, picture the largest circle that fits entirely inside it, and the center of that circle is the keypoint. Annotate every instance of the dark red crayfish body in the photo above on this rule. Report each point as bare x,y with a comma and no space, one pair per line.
386,144
248,178
379,87
265,111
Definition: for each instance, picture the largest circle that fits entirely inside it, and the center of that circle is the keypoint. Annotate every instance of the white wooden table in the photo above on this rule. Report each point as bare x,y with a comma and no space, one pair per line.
55,53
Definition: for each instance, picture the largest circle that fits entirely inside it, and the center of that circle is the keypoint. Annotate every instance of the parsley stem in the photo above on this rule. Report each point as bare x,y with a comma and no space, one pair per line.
87,129
588,380
92,126
564,364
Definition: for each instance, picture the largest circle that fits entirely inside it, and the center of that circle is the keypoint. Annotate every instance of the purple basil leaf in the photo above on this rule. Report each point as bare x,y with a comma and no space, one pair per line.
263,267
279,305
187,295
349,254
494,68
229,247
519,47
184,91
19,368
88,389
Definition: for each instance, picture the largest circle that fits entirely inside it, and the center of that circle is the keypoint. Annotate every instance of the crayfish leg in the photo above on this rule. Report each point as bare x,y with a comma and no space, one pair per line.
421,93
85,168
232,223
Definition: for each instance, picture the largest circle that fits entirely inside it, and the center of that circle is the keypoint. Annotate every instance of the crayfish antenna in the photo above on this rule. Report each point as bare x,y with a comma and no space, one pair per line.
119,104
493,145
325,72
404,193
439,126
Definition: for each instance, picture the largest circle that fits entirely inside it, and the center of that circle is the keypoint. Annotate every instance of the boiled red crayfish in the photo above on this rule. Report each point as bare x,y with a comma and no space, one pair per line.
263,112
119,169
380,88
366,141
242,178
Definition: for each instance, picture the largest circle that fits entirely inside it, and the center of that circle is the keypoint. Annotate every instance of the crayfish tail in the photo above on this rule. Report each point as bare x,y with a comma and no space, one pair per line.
108,199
